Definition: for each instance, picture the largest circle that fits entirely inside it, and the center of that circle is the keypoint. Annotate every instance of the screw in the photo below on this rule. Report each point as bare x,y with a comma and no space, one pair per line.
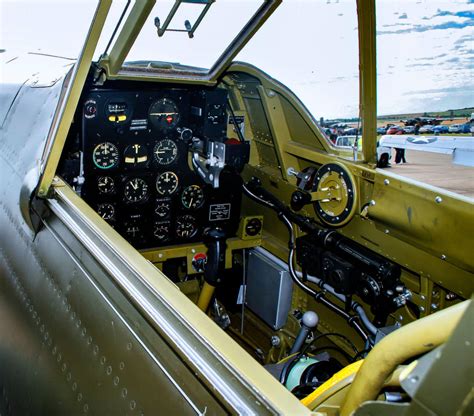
422,309
372,203
387,231
275,340
386,182
443,257
434,306
450,296
438,200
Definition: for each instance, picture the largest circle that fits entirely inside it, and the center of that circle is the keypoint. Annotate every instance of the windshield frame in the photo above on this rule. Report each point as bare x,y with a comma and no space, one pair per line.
112,64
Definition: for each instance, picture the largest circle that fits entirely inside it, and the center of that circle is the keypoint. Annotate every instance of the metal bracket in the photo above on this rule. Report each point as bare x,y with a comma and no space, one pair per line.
188,28
209,168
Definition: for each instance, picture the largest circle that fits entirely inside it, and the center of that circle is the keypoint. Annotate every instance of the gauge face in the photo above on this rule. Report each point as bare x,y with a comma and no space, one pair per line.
164,114
161,230
105,155
106,185
135,155
167,183
192,197
163,207
186,226
165,152
253,227
106,211
90,109
136,190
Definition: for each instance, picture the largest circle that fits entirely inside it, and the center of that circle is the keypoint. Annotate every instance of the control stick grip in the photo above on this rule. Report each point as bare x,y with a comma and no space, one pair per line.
215,241
309,322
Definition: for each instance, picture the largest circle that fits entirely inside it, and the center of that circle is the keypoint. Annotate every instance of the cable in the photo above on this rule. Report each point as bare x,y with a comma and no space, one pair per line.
330,334
237,128
257,198
319,296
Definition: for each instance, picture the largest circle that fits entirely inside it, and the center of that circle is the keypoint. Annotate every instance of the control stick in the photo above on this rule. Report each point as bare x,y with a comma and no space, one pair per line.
214,238
308,323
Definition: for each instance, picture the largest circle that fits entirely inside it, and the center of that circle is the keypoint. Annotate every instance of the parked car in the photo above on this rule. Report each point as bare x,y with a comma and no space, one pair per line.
426,129
459,128
440,129
393,130
381,130
384,153
408,129
350,131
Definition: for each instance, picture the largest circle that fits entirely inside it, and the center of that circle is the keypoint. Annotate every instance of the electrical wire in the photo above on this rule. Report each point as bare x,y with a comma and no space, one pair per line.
330,334
237,128
319,296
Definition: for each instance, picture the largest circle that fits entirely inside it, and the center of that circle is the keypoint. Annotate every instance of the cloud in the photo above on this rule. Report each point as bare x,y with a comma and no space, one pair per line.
403,16
418,65
397,24
431,58
425,28
455,59
469,14
460,89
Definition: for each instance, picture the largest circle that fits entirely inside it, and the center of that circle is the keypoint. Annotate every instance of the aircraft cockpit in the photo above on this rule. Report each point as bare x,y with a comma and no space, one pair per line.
216,244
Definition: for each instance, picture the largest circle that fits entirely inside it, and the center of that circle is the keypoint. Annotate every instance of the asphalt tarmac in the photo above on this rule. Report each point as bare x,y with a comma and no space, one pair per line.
437,170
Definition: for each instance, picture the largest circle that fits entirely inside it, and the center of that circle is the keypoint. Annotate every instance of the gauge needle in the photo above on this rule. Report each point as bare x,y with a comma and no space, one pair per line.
162,114
158,152
134,185
191,202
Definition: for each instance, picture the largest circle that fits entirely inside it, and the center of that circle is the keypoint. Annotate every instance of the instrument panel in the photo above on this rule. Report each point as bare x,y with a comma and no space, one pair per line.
136,167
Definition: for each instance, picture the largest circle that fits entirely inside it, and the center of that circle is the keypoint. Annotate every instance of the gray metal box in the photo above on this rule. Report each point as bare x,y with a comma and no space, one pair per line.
269,289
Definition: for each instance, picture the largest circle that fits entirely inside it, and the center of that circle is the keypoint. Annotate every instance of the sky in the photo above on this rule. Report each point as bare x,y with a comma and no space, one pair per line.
425,53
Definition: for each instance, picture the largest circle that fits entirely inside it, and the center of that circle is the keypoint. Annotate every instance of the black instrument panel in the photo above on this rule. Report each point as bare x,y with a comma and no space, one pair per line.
136,170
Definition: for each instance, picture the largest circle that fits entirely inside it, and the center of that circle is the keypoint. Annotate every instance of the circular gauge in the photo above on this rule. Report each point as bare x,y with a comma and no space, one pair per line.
163,207
338,200
164,114
165,152
186,226
106,211
192,197
161,230
135,190
253,227
105,155
135,154
90,109
167,183
105,185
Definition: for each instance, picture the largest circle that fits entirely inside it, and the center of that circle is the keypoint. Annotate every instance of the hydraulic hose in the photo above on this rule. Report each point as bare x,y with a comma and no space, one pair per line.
413,339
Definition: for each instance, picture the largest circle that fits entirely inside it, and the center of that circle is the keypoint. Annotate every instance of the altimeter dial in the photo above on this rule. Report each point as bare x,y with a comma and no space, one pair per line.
106,185
167,183
192,197
105,155
165,152
135,190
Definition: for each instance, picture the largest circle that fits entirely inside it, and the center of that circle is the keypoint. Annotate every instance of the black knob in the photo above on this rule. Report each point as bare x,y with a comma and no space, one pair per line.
299,199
